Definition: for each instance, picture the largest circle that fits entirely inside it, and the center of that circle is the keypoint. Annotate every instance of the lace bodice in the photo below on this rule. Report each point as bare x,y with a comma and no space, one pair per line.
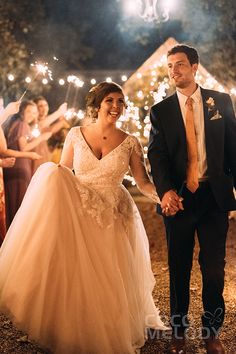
110,169
100,181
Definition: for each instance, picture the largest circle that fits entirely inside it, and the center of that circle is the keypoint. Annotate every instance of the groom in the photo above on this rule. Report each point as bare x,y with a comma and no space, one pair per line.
192,152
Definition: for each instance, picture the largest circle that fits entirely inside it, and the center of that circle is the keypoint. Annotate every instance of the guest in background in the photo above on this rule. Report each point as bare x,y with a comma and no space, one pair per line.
19,137
4,163
7,160
48,123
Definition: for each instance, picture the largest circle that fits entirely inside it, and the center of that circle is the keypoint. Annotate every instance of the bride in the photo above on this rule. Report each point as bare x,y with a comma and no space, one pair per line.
75,270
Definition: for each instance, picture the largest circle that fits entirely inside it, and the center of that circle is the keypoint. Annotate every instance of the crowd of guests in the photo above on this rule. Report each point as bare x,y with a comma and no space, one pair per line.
22,152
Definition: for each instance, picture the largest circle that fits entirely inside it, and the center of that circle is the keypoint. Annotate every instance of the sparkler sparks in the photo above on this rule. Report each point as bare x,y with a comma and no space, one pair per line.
40,69
35,132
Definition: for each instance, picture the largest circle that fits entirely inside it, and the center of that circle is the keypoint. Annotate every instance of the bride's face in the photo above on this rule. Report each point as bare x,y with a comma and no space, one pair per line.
112,106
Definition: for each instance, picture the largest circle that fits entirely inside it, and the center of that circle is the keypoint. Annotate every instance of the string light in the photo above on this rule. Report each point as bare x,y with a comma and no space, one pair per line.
11,77
154,84
151,87
61,82
79,83
44,70
71,78
140,94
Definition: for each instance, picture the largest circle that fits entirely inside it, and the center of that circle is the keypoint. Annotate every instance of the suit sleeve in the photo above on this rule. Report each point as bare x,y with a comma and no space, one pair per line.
158,155
230,137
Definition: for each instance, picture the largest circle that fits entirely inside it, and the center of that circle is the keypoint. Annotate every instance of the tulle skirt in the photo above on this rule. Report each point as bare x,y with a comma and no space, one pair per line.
72,285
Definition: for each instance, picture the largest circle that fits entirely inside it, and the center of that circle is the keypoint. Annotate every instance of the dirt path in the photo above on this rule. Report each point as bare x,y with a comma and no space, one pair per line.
12,342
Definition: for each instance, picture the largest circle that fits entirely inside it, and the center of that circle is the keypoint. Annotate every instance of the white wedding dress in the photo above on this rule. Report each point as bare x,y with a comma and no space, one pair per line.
75,270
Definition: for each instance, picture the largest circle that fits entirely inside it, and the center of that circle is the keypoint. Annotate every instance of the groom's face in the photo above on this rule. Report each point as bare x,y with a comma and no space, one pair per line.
180,71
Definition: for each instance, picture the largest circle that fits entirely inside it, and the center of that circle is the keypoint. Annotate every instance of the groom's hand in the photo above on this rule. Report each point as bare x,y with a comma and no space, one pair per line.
171,203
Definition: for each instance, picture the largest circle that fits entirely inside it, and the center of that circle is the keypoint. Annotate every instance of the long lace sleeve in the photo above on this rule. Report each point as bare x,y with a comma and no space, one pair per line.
139,172
68,150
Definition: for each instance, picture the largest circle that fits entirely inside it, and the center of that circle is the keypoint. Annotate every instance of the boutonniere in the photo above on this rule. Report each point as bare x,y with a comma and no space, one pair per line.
212,108
210,104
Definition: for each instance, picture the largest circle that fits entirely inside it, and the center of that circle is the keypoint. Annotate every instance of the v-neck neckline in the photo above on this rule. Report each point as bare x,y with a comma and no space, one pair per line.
103,157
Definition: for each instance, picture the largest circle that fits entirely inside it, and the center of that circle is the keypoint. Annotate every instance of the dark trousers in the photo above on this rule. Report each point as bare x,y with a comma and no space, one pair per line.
201,215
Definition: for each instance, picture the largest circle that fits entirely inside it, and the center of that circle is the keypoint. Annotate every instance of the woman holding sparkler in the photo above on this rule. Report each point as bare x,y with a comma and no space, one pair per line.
7,160
48,123
19,137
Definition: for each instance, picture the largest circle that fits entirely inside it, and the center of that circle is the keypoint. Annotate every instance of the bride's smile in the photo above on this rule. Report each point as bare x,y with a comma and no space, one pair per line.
112,107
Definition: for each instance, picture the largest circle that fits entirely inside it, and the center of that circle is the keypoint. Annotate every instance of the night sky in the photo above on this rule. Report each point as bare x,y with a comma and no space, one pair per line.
92,35
102,26
88,36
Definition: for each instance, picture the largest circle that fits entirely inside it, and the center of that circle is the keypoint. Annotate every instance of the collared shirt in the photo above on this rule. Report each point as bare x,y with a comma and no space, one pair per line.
199,128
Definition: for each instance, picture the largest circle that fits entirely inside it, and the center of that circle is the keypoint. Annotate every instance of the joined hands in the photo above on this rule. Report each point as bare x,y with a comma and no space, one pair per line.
171,203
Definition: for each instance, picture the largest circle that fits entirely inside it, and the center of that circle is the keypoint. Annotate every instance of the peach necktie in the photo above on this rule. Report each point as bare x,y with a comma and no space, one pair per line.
192,165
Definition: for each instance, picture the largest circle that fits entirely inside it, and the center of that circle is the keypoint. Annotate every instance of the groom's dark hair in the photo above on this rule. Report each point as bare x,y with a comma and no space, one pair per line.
191,52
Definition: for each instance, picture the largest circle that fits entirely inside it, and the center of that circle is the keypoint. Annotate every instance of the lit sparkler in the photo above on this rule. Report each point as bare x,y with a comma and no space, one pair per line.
75,82
35,132
69,114
40,69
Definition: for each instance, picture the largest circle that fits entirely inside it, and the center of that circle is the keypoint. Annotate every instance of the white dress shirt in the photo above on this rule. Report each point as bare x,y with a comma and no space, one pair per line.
199,128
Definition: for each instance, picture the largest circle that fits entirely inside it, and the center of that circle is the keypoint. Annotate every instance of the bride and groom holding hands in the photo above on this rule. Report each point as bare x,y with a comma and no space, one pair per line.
75,270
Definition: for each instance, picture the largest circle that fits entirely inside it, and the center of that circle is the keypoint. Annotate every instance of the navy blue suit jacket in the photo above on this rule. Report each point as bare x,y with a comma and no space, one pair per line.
167,150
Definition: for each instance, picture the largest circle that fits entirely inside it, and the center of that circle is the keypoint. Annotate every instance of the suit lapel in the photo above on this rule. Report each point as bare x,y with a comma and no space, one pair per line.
178,132
179,122
205,108
214,133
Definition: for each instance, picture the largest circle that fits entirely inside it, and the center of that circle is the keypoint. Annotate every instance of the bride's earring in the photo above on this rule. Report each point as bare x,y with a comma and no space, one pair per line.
94,115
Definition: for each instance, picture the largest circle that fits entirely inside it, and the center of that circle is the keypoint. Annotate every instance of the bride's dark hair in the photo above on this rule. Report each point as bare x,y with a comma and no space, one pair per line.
97,93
